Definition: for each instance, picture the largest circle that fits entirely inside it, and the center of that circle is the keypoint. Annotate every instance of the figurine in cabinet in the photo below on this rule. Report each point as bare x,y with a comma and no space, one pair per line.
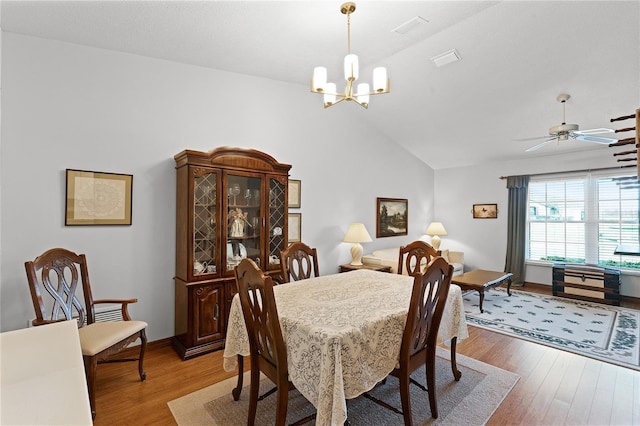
238,221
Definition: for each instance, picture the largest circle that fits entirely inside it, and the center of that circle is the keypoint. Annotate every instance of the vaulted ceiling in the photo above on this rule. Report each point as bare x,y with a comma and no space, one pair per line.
516,57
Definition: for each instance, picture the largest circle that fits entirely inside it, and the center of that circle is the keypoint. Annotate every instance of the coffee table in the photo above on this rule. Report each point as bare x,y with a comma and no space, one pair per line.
481,280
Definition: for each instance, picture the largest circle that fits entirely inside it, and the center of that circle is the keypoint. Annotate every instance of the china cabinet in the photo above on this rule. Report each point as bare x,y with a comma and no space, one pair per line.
231,203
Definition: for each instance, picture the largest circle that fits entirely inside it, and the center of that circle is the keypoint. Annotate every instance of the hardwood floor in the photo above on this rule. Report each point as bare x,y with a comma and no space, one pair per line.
555,387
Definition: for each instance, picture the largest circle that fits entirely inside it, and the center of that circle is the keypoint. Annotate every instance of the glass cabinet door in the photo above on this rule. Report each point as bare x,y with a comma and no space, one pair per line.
244,221
276,221
205,211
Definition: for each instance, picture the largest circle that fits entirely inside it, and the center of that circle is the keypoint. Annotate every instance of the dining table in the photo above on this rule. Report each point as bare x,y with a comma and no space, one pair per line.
342,333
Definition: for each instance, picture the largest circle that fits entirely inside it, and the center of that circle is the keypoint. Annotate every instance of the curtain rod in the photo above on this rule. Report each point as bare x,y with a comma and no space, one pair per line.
576,171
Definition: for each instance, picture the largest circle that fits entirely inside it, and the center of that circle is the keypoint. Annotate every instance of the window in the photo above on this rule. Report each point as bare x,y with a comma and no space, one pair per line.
582,218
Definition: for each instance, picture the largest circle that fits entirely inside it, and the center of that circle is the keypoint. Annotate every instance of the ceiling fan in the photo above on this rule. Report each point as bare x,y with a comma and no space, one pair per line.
565,131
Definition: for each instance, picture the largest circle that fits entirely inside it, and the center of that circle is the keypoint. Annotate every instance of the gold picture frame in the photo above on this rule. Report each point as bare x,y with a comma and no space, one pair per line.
485,211
98,198
294,193
294,227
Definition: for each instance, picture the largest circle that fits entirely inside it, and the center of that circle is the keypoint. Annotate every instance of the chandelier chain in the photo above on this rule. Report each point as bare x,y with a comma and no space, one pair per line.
348,32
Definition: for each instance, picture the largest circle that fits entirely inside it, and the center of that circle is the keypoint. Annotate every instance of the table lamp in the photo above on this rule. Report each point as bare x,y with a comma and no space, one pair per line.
434,230
357,234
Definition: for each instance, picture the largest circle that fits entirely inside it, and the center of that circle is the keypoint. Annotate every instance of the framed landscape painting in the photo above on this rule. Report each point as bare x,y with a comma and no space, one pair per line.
392,217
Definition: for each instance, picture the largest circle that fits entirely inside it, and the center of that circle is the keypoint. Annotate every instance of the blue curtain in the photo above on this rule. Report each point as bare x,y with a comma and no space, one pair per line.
517,227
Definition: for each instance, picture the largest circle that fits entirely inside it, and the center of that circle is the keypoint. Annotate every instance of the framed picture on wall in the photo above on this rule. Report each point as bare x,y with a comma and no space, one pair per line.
98,198
485,211
392,217
294,193
295,227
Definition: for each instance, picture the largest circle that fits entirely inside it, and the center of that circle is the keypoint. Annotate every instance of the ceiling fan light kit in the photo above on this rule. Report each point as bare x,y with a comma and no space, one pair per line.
564,131
319,83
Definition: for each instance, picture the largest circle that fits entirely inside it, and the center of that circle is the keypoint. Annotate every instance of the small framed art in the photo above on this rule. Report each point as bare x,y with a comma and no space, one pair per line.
295,227
392,217
98,198
294,193
485,211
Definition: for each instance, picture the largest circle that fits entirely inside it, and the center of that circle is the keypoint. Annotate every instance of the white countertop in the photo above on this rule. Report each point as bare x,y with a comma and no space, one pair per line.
42,380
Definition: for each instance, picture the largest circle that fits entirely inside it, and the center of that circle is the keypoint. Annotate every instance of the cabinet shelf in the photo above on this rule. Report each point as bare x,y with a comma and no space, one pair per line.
242,206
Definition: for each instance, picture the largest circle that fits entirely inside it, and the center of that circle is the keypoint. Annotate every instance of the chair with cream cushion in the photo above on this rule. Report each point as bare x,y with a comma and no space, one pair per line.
61,291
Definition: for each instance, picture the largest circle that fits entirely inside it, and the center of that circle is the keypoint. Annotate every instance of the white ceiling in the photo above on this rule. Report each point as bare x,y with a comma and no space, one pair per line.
517,56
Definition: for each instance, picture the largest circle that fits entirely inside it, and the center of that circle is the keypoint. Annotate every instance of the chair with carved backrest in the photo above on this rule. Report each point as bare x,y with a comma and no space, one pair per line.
267,348
420,336
298,262
416,256
61,291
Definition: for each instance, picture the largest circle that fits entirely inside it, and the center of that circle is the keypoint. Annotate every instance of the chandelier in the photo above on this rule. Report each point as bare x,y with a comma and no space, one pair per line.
363,91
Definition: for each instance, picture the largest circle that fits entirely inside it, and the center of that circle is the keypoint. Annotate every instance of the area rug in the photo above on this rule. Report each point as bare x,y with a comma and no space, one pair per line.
607,333
471,401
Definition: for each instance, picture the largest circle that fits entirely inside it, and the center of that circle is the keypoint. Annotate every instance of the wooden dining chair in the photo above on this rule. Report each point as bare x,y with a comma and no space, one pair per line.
298,262
61,291
420,336
266,344
415,256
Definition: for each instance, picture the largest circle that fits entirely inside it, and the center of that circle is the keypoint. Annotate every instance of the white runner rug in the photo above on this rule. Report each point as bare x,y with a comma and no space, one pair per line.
607,333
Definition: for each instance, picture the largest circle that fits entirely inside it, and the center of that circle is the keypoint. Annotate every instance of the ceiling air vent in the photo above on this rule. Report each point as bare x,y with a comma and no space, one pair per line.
446,58
410,25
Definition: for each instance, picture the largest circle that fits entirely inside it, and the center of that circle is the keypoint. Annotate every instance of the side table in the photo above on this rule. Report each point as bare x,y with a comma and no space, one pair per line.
380,268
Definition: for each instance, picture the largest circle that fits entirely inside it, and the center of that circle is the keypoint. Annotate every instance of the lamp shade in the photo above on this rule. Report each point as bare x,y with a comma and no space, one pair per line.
436,228
357,233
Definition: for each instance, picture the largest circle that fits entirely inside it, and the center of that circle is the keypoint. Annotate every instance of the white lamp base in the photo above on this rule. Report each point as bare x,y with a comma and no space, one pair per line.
356,254
435,242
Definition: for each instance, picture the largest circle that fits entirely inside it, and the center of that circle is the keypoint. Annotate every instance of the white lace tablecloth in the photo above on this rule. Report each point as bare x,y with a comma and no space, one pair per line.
342,333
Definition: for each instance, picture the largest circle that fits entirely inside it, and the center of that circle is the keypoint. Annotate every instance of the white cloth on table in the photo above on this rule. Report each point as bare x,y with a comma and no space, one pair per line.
342,333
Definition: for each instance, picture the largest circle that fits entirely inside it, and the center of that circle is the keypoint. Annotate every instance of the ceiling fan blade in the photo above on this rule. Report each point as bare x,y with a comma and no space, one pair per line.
531,139
595,139
540,145
593,131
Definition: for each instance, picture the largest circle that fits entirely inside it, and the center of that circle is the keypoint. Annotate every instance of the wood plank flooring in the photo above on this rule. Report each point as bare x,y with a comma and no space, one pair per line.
555,388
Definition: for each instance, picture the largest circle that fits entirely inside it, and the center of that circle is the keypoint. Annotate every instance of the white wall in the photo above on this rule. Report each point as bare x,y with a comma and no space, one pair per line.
484,241
69,106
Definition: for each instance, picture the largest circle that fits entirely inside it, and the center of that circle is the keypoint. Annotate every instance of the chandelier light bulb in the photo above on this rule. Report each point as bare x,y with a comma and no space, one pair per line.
380,79
319,79
351,67
330,94
363,93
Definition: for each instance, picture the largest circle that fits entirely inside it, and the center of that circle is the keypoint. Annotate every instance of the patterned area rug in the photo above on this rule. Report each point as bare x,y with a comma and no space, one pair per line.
607,333
471,401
